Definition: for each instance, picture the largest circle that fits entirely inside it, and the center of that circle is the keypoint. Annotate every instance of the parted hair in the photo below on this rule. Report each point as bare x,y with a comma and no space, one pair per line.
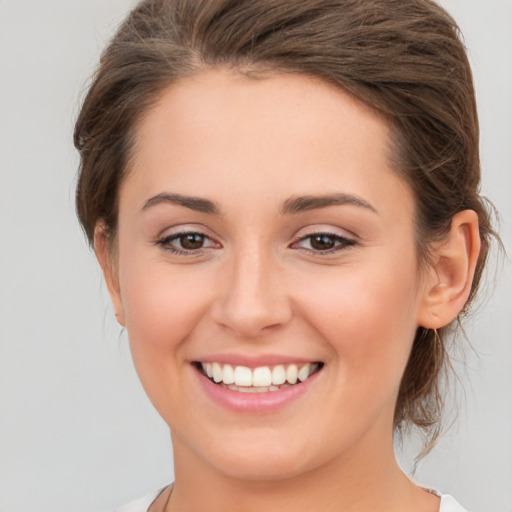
403,58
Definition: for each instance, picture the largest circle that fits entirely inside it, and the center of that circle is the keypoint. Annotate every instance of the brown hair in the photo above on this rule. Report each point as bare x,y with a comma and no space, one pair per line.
403,58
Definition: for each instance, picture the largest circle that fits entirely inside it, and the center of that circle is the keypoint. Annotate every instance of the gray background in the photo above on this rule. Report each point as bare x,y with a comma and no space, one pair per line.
76,431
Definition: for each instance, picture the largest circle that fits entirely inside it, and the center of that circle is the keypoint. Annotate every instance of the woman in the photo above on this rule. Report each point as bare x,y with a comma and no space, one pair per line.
283,197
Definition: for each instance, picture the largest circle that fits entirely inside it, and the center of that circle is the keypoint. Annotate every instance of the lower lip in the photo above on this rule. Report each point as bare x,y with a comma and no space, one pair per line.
255,403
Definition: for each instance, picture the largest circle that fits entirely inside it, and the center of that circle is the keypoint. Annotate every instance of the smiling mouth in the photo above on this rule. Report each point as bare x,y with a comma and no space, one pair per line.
258,380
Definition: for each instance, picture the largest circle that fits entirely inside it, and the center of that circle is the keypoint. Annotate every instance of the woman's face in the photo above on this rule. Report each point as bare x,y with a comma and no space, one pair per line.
261,226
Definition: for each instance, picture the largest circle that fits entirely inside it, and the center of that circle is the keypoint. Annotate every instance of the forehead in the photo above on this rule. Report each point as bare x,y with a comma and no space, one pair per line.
225,104
280,135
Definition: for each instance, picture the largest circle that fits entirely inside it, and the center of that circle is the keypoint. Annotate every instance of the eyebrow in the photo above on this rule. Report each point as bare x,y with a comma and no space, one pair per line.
197,204
293,205
306,203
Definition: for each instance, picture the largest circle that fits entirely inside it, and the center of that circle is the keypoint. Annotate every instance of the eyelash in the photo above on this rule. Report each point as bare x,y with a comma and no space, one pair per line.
166,243
342,242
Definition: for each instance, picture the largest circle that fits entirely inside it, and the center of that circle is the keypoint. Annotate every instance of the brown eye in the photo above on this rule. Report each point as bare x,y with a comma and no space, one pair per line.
187,243
322,242
191,241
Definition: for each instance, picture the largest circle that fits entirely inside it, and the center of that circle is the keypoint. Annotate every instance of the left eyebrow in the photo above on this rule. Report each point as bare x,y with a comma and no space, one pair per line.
306,203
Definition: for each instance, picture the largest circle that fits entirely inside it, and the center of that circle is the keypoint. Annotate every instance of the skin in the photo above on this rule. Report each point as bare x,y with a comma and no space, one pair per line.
258,287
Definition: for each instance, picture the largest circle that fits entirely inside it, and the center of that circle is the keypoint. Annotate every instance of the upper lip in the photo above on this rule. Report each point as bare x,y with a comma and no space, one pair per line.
254,361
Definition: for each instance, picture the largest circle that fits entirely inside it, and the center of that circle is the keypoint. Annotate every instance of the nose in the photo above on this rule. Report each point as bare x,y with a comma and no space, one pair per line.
252,297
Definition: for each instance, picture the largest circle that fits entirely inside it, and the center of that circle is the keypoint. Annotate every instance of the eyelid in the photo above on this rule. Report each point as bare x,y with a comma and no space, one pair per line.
326,229
342,242
179,234
180,228
169,235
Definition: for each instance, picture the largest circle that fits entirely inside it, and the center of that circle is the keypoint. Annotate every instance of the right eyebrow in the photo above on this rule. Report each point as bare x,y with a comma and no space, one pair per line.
197,204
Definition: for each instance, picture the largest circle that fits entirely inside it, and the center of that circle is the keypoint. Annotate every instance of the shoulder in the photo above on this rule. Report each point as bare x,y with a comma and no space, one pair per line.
449,504
141,504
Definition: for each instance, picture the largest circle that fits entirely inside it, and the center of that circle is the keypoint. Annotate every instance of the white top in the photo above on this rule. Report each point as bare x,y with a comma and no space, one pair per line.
448,504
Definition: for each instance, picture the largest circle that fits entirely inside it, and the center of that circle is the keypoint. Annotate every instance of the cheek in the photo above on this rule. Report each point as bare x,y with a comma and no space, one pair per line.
368,315
162,304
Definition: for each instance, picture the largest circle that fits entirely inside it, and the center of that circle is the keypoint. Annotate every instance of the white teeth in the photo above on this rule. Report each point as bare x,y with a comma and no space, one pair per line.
216,372
228,374
243,376
250,389
278,375
261,379
291,374
253,389
303,373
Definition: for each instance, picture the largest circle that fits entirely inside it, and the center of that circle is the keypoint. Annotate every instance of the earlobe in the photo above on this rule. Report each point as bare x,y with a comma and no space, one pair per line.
107,262
453,268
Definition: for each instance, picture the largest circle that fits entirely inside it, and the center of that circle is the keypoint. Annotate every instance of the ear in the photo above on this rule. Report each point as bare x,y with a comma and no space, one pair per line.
449,283
108,264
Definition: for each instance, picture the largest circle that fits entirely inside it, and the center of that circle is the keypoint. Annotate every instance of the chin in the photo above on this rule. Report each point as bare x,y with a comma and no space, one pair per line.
263,460
265,469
